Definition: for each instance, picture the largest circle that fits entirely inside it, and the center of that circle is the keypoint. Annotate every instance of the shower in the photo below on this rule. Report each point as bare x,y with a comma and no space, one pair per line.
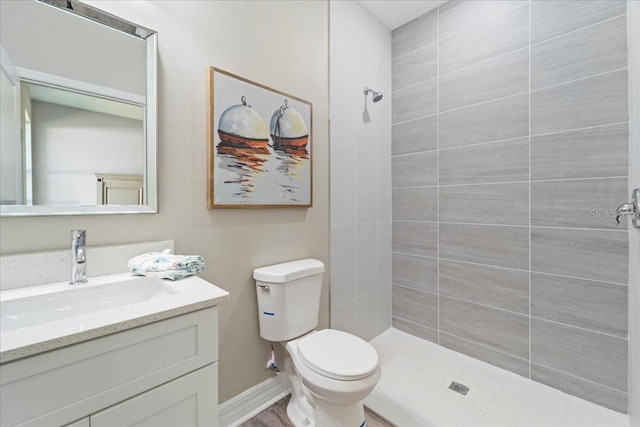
377,96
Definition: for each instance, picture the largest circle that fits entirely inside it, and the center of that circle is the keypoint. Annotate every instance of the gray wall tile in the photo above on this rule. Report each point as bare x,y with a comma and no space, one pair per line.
414,170
497,78
601,255
504,118
485,40
491,286
499,330
593,101
414,102
415,136
604,396
553,18
415,329
415,204
414,34
586,153
579,352
506,161
486,354
416,306
597,306
415,272
470,126
485,204
582,203
415,238
415,67
458,15
485,244
586,52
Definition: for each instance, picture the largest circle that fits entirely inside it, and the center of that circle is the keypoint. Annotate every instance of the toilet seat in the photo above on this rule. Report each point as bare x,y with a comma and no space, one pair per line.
337,355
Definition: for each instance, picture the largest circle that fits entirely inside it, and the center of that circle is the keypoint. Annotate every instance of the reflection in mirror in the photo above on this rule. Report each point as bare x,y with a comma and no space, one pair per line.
75,111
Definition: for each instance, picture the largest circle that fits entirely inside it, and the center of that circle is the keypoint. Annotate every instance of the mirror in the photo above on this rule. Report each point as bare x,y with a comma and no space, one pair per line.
78,112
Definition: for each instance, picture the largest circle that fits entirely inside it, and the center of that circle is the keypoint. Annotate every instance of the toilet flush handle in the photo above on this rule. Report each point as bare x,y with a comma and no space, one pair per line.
265,287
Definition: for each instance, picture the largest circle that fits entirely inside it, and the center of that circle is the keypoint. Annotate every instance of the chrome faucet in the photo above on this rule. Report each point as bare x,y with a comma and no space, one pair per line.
78,257
631,209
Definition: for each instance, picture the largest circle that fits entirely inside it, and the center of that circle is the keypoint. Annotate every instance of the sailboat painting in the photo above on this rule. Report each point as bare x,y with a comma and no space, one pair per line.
258,146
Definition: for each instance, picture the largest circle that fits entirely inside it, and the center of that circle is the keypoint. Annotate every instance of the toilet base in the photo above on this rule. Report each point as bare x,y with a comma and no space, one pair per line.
307,409
336,415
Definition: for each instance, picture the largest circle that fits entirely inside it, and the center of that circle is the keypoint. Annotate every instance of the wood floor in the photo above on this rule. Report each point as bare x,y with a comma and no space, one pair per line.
276,416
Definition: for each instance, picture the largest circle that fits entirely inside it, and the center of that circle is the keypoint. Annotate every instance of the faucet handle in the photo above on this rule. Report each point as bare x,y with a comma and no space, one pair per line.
79,235
630,209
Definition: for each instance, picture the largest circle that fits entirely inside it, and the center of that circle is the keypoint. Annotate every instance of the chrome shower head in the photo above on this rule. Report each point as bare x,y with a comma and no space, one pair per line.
376,96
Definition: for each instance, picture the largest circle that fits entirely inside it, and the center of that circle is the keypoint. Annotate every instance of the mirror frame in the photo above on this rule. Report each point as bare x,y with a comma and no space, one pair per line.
150,196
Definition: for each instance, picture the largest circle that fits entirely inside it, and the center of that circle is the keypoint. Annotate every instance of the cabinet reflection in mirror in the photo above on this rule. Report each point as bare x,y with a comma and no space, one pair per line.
74,109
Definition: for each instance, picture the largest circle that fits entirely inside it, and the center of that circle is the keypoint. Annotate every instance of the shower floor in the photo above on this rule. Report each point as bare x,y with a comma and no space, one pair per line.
414,391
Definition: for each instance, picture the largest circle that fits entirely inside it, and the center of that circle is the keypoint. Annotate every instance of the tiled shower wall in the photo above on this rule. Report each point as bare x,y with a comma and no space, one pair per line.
360,175
509,156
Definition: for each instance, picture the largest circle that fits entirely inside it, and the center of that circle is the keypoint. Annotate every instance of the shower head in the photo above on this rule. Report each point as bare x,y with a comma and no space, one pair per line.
377,96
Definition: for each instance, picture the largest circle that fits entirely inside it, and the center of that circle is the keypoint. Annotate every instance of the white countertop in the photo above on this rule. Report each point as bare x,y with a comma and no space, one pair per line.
192,293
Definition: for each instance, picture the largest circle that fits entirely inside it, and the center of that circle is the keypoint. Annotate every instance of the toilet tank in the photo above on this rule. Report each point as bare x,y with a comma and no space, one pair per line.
288,298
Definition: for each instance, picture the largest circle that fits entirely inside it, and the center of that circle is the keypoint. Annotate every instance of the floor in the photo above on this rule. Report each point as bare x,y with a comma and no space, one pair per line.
414,391
276,416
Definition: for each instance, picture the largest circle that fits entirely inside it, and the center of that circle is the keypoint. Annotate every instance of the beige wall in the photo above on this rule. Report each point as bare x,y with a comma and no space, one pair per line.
280,44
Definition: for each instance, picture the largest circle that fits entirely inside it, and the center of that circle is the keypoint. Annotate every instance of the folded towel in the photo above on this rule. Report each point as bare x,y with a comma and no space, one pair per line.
164,265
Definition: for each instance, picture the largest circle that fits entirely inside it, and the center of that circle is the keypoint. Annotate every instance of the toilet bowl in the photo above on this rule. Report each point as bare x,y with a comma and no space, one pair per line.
330,371
337,371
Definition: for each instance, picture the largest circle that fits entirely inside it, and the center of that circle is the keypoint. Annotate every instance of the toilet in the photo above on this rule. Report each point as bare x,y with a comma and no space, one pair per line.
331,372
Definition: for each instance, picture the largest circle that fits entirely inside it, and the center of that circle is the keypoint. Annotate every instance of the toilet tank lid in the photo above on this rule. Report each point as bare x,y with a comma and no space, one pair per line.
288,271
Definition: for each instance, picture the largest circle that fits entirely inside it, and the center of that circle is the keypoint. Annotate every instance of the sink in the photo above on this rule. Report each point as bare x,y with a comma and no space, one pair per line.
68,301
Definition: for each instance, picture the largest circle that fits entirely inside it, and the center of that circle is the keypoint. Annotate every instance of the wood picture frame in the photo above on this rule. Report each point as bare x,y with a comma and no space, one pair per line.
259,145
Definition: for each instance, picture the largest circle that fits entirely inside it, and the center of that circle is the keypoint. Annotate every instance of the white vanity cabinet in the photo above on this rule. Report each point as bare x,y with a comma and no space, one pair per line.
160,374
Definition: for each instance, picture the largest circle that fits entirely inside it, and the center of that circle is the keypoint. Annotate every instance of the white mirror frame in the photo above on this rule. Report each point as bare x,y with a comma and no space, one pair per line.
150,196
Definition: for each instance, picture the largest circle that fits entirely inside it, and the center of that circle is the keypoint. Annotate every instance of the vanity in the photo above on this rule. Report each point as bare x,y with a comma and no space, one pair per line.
120,350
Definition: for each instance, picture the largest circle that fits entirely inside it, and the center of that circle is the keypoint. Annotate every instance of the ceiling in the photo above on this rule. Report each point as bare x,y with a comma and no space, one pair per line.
394,13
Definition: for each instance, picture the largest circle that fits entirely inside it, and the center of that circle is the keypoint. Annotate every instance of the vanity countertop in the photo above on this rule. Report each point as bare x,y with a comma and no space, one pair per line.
188,294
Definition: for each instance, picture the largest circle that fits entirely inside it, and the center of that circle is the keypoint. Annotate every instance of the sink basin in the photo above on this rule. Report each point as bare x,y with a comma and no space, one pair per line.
76,300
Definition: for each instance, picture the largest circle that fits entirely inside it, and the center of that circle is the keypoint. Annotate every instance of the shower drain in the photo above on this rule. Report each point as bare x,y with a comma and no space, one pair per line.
459,388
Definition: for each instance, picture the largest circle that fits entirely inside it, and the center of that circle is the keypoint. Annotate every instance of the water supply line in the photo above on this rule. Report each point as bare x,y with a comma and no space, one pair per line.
271,364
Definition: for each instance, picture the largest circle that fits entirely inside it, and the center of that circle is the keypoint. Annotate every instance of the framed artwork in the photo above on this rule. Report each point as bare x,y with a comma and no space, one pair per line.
259,145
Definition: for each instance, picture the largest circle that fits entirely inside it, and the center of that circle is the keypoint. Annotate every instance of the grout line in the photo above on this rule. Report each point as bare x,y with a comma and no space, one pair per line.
438,174
487,347
501,140
400,122
579,79
413,86
508,268
485,224
477,24
529,234
419,324
485,61
579,278
551,227
572,31
555,322
413,120
579,129
455,32
475,104
583,379
486,306
424,46
472,184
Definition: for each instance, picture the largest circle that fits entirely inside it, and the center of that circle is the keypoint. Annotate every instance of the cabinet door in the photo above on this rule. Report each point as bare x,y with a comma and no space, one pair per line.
191,400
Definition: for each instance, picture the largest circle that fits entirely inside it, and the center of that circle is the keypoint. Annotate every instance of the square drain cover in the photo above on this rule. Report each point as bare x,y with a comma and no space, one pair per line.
459,388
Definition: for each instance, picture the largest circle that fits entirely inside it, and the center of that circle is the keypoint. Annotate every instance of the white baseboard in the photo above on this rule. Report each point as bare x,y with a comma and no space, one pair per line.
251,402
